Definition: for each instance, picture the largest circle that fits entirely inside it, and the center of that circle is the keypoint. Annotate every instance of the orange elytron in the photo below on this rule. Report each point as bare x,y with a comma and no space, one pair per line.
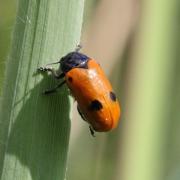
97,102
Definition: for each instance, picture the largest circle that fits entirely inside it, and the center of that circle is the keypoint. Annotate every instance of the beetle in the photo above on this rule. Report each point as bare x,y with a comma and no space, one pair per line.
97,102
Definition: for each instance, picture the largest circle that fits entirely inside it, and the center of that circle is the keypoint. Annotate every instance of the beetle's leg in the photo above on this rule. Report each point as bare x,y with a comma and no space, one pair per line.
92,131
80,113
49,91
52,70
82,116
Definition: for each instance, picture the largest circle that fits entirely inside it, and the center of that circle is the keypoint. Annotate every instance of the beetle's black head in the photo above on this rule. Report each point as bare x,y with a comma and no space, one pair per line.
73,60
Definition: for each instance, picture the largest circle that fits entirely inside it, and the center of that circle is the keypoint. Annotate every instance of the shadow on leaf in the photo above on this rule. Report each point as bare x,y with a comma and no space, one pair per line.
39,136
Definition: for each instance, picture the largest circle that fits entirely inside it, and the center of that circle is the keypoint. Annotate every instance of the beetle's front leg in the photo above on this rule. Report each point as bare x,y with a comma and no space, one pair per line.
52,70
53,90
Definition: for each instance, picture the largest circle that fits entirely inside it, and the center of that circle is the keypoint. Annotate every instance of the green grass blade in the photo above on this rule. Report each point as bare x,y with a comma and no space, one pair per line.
7,18
34,131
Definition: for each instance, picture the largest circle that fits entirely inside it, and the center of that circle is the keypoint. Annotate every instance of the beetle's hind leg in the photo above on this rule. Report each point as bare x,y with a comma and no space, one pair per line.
92,131
52,70
80,113
82,116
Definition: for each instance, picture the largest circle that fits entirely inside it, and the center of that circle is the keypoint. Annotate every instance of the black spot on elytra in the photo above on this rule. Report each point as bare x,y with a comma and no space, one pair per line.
70,79
112,96
95,105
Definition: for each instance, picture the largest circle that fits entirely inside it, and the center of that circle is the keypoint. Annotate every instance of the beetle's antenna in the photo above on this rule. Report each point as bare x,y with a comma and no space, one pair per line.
78,47
53,63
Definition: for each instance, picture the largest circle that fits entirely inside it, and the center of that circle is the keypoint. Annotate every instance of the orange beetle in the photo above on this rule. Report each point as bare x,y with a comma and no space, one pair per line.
97,103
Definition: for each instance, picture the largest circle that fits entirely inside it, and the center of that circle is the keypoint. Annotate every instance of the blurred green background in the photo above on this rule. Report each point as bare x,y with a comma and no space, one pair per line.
137,43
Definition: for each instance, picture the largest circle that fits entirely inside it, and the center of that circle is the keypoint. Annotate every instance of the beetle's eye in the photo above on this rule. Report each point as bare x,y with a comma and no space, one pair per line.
69,59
